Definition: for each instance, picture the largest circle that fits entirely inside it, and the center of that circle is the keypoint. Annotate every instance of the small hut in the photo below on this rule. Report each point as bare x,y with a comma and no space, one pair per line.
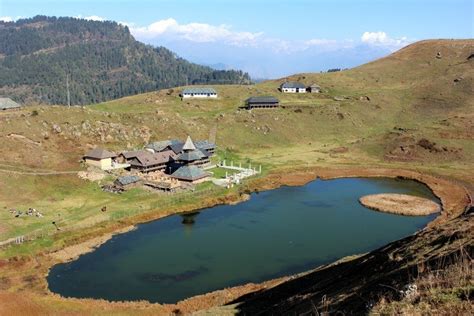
314,88
8,104
99,157
127,181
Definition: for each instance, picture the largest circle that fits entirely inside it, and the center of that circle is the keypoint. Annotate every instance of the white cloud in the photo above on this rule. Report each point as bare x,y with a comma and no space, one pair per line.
171,30
195,32
6,19
129,24
374,37
382,39
10,18
320,42
94,18
91,18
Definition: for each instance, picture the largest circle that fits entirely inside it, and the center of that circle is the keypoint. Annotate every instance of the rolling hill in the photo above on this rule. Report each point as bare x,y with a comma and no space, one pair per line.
381,110
412,110
101,61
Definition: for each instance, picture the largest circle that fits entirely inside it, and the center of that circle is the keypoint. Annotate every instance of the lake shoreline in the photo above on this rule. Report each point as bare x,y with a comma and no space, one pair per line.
436,185
454,199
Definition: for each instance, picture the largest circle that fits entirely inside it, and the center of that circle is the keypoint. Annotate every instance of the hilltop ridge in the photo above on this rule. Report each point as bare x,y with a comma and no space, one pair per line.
100,59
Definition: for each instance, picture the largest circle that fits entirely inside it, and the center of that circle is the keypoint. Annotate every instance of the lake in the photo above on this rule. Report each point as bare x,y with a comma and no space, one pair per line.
275,233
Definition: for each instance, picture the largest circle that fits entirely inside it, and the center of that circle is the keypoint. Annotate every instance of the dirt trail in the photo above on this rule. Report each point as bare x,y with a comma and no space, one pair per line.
38,173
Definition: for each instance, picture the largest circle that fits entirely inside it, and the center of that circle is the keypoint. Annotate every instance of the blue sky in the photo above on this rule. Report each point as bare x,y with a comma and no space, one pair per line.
253,35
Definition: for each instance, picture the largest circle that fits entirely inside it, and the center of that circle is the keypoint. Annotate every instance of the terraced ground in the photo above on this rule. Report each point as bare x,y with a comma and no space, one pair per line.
410,110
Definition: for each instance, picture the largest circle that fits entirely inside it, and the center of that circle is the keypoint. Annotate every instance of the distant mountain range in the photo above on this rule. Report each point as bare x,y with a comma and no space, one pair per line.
41,57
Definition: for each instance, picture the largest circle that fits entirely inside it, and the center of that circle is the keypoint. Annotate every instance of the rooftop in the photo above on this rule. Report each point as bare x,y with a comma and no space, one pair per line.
189,173
177,147
204,144
159,146
146,158
130,154
199,91
99,153
265,99
293,85
191,155
7,103
189,145
125,180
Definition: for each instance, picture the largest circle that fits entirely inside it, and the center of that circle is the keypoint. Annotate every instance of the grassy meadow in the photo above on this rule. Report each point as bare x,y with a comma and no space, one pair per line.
361,116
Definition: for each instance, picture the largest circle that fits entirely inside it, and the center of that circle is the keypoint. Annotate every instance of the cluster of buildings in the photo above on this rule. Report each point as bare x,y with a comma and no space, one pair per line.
259,102
172,159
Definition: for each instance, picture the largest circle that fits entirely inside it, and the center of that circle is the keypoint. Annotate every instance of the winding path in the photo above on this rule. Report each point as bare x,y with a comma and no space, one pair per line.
5,169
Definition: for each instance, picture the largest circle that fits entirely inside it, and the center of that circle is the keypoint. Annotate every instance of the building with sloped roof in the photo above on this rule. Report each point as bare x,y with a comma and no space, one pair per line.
125,181
266,102
190,173
8,104
99,157
208,93
177,146
206,145
158,146
314,88
127,156
293,87
146,161
191,155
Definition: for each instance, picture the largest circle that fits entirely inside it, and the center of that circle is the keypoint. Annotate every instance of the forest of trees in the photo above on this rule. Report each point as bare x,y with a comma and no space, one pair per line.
101,60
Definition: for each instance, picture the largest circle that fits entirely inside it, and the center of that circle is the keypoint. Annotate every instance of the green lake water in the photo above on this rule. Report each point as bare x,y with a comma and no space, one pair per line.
275,233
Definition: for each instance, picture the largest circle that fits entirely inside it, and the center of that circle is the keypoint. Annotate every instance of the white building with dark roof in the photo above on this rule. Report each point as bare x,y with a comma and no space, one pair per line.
202,93
293,87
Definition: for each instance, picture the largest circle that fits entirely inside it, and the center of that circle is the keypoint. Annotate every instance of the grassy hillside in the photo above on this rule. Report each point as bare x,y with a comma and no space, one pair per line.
387,108
411,110
101,61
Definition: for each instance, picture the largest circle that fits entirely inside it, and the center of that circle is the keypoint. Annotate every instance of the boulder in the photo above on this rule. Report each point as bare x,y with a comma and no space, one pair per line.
56,129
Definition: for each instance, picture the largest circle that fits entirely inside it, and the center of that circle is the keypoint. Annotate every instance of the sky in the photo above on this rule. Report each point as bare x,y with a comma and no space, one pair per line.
270,39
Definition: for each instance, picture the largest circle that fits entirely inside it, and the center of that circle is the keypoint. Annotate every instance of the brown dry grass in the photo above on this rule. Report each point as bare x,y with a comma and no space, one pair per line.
446,290
401,204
